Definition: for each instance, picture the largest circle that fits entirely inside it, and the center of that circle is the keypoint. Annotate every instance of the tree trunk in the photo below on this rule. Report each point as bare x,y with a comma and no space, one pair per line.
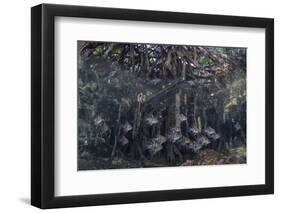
117,132
177,109
132,53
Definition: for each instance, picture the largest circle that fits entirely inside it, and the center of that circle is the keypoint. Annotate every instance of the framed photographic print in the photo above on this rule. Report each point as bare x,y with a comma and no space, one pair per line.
139,106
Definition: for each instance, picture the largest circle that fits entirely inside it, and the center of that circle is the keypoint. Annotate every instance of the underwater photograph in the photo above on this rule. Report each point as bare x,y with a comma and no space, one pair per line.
160,105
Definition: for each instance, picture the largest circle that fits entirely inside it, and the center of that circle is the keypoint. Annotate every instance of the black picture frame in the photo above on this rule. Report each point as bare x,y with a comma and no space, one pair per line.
43,102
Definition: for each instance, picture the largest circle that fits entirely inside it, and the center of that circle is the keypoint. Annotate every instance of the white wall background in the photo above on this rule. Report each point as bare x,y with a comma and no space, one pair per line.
15,105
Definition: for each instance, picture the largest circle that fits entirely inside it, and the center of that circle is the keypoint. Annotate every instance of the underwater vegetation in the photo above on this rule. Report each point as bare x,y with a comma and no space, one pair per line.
153,105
